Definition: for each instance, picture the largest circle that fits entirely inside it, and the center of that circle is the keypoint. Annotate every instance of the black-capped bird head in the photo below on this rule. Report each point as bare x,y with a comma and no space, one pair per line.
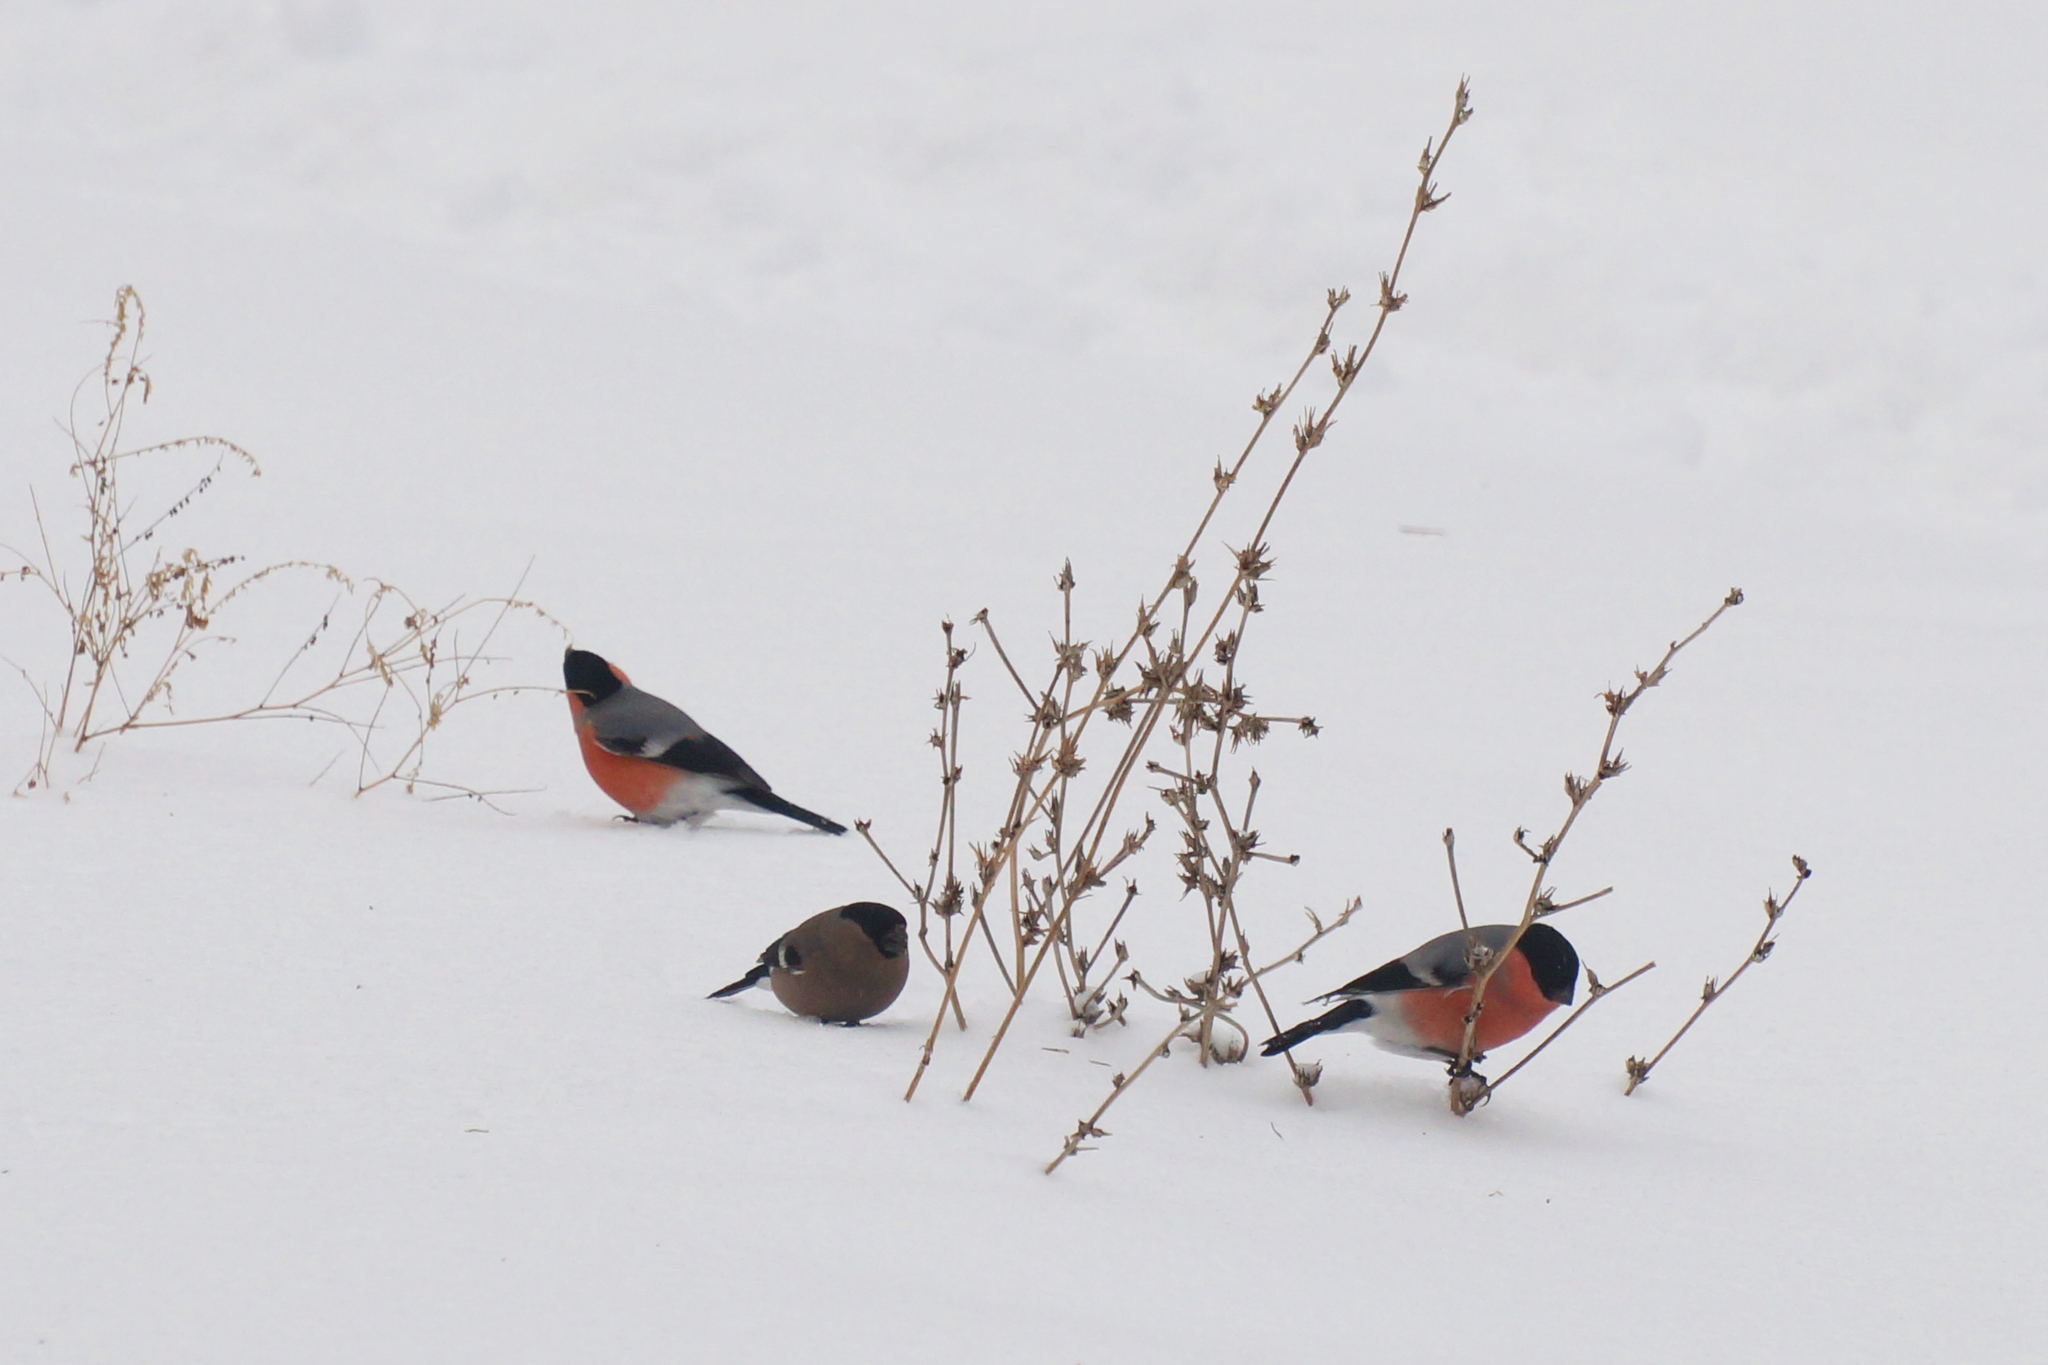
884,927
588,677
1553,962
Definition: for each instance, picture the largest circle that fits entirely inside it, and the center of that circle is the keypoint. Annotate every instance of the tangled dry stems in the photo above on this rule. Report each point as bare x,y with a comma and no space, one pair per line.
1062,838
138,615
1064,833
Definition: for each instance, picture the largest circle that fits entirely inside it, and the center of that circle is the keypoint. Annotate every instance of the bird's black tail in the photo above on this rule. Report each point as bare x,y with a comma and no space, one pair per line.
1351,1011
747,982
767,800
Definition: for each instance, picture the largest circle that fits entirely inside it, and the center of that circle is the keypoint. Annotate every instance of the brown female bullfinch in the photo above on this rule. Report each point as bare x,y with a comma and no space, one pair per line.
839,967
1416,1005
657,762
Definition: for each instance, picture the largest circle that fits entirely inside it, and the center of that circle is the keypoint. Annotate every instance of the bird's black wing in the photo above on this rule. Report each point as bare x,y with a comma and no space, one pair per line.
641,725
1439,962
705,754
1394,976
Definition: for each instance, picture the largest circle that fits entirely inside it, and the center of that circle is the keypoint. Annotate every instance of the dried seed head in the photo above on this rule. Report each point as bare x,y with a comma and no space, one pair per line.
1253,561
1308,433
1468,1092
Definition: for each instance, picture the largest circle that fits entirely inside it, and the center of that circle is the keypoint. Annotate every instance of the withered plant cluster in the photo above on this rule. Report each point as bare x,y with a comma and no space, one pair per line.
1162,709
377,663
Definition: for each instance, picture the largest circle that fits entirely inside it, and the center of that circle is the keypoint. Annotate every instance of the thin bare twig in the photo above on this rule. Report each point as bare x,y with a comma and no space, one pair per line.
1774,909
1088,1127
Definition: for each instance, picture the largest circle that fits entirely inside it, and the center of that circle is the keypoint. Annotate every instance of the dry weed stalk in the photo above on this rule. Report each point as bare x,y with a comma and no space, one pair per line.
934,896
1774,909
137,613
1062,835
1467,1088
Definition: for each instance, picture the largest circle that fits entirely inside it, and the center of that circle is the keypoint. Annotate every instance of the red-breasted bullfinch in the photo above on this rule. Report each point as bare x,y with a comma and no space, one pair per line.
654,760
839,967
1416,1005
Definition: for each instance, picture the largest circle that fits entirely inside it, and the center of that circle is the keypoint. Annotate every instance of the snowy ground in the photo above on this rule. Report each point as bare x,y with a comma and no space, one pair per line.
770,338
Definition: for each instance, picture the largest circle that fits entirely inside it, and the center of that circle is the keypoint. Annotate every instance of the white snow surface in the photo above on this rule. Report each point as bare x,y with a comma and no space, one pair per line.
770,336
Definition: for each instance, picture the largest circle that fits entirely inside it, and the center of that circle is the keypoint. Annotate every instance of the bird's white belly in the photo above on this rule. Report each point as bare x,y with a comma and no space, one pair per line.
1388,1028
692,797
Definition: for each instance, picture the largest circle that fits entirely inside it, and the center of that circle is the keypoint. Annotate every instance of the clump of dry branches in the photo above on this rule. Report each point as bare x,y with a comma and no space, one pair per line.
1172,685
137,614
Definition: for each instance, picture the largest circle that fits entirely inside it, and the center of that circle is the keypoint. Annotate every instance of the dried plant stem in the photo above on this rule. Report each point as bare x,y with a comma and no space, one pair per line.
1774,909
1457,892
934,897
1088,1128
1579,791
1322,931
